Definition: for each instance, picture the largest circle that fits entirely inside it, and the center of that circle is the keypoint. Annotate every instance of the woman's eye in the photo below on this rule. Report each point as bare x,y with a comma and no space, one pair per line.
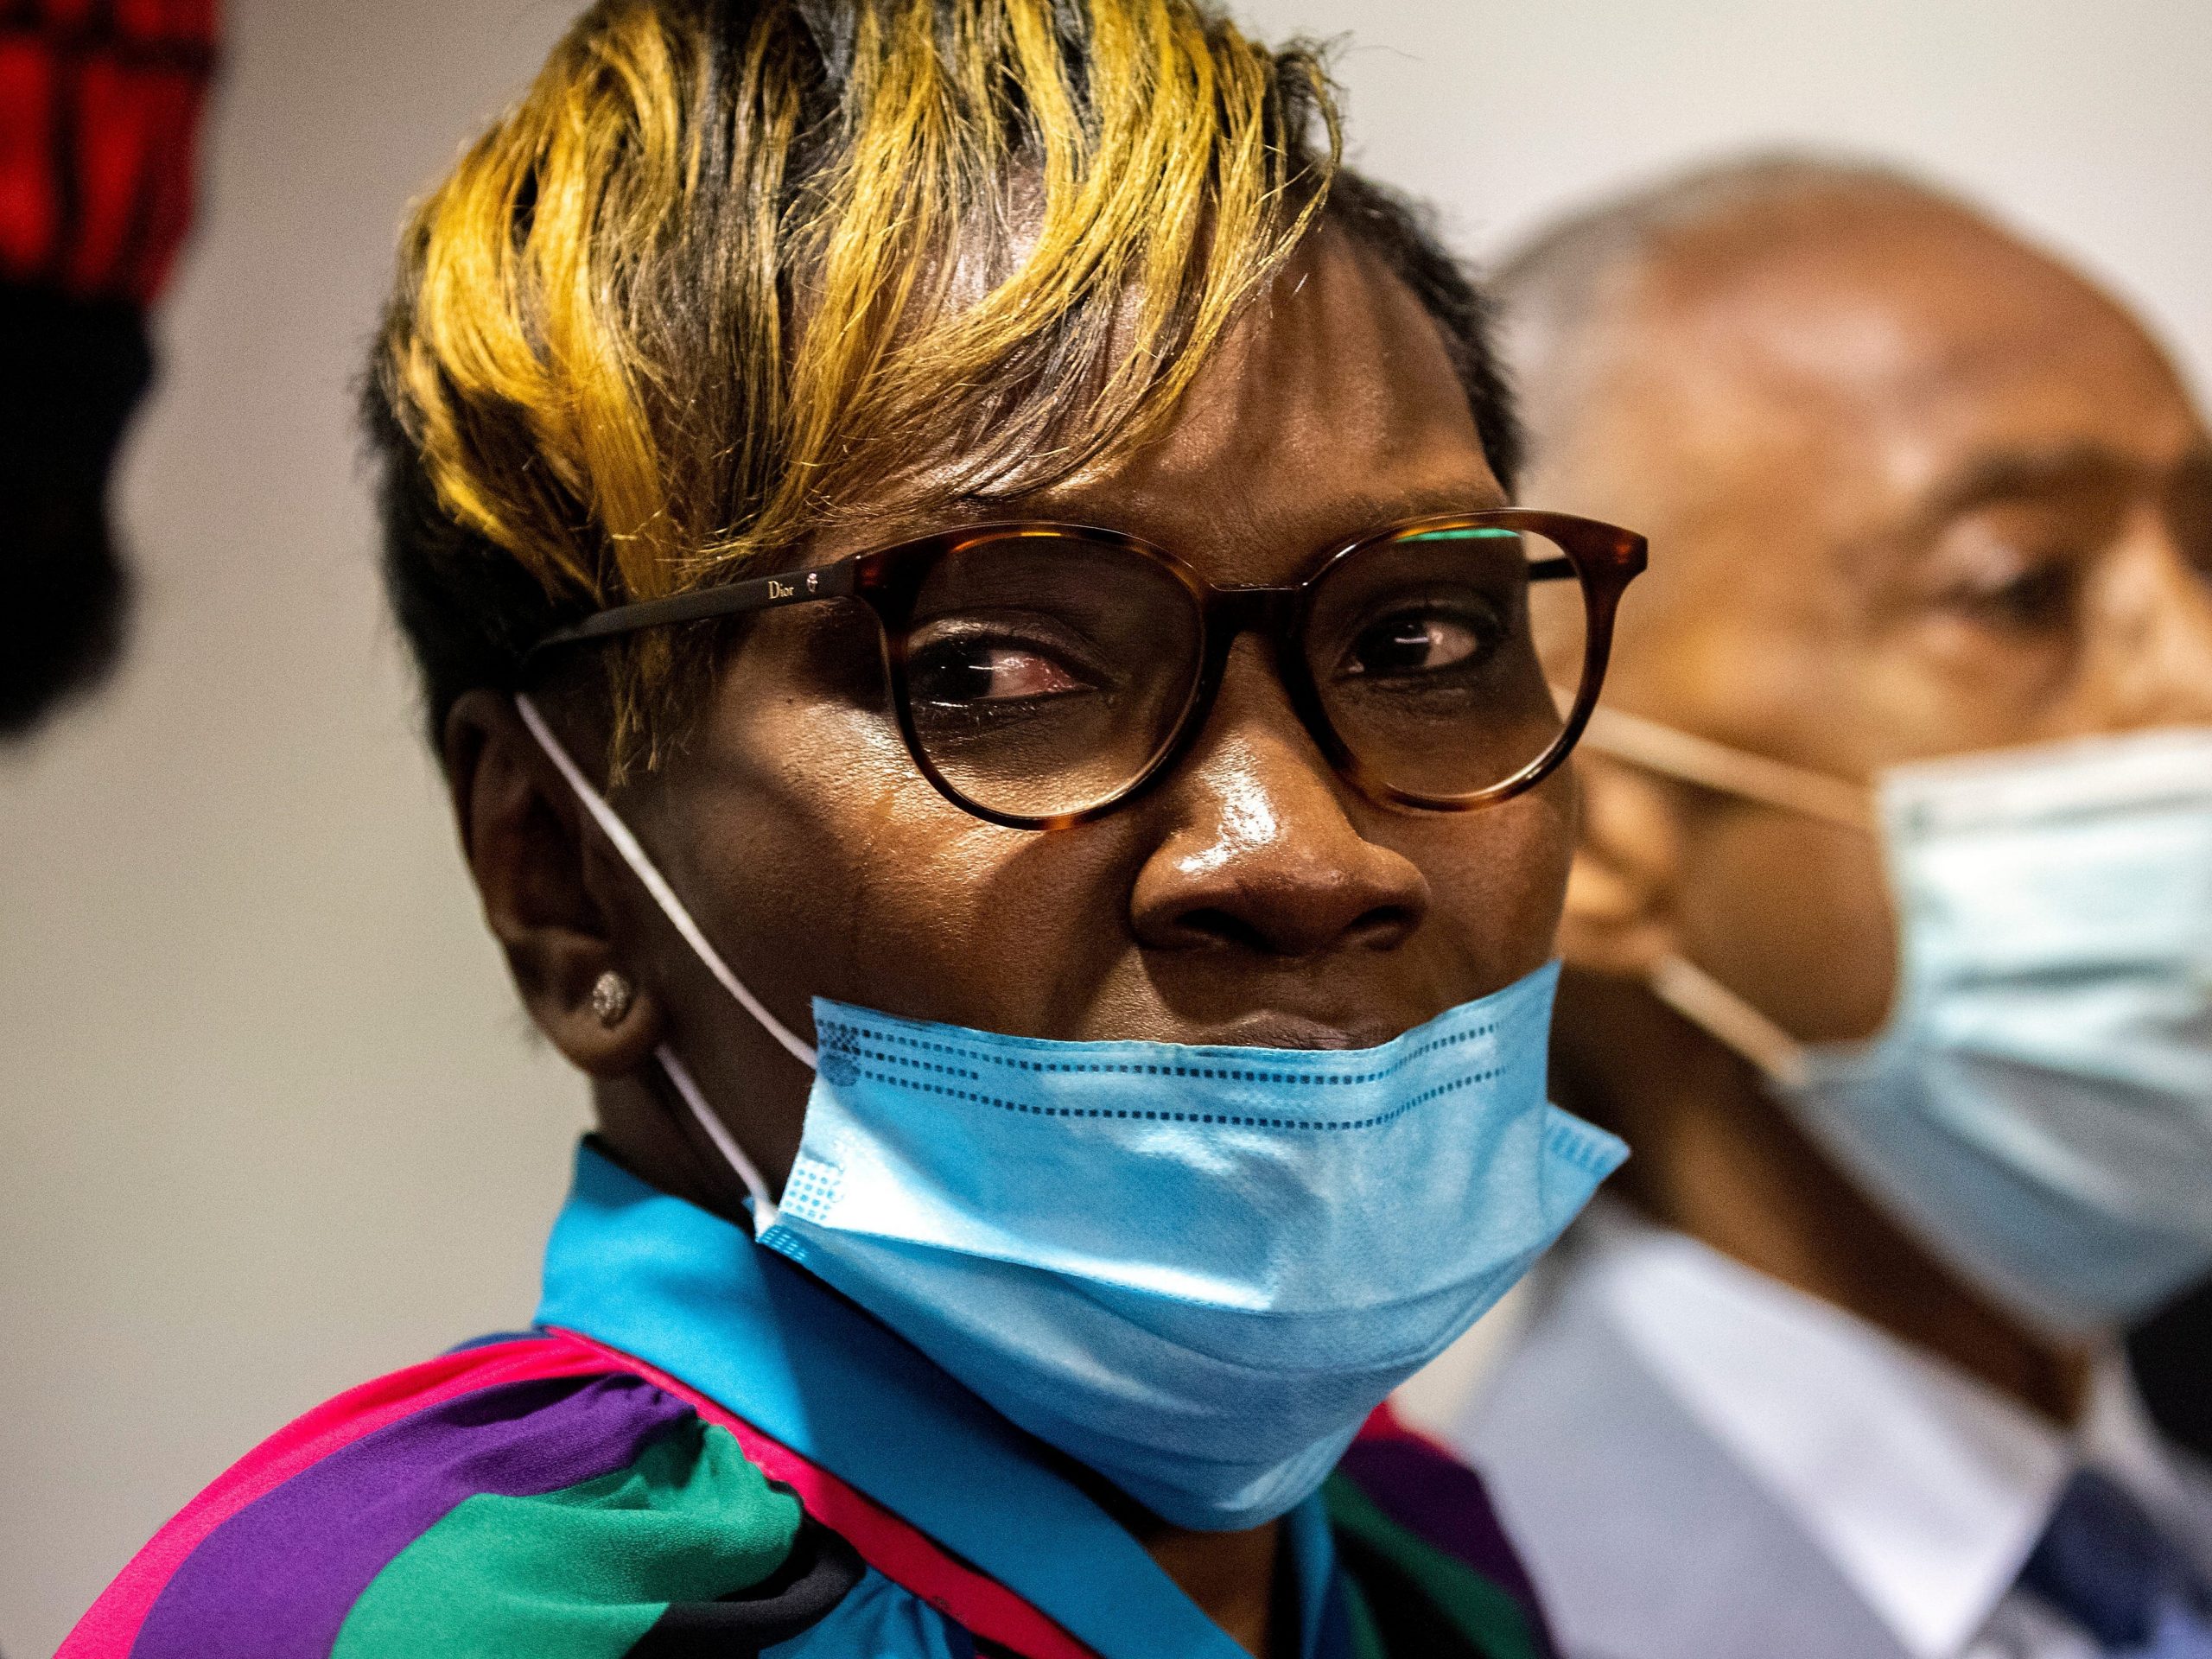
1415,642
984,671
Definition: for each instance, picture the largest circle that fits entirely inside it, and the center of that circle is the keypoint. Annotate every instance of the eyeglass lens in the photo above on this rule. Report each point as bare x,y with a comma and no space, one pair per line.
1045,674
1430,656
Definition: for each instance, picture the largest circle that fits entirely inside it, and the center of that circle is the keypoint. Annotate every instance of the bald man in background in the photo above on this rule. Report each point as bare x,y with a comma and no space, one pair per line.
1889,942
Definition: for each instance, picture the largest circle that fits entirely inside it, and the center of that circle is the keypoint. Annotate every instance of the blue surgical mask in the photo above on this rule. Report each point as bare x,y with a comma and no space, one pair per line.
1196,1270
2038,1109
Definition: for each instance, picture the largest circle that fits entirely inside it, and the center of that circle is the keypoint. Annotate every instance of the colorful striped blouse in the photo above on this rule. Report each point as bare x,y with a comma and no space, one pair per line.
699,1451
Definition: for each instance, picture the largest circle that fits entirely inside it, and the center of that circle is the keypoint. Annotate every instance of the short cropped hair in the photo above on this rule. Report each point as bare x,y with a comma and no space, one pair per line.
731,269
1561,287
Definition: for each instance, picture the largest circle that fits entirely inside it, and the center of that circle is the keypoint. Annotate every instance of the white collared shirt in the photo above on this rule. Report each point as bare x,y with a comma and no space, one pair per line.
1926,1488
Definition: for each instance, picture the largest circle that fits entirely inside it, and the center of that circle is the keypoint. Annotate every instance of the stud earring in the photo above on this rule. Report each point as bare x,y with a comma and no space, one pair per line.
611,996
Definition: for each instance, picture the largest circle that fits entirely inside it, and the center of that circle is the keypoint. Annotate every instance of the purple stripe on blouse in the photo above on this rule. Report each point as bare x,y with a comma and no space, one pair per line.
276,1579
1443,1503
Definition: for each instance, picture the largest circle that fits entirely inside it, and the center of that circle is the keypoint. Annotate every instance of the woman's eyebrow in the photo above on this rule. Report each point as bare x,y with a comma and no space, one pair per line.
1353,515
1321,523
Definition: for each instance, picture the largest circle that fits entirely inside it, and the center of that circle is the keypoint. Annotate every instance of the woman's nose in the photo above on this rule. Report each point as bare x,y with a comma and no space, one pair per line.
1259,851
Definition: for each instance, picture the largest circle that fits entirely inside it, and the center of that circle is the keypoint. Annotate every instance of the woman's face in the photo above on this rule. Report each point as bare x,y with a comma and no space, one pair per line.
1251,898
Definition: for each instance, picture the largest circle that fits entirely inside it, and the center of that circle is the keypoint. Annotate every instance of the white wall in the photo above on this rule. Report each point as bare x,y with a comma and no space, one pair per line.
272,1124
2086,122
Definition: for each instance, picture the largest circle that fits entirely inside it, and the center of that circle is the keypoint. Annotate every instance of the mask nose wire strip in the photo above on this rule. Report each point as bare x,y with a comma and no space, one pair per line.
618,833
1699,760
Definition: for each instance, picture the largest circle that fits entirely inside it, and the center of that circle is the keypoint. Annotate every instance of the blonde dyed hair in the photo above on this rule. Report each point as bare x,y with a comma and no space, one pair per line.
728,272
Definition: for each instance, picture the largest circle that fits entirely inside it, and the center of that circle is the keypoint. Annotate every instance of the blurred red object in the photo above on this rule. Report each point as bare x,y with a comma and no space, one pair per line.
99,105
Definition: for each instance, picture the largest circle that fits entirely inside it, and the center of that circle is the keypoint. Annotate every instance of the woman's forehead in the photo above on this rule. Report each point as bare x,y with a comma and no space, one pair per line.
1332,408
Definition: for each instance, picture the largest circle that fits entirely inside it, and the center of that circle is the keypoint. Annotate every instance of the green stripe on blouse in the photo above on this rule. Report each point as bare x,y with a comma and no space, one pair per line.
1482,1611
581,1573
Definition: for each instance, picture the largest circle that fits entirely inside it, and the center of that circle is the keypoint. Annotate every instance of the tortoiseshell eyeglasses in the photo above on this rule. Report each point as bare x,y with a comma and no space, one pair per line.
1044,673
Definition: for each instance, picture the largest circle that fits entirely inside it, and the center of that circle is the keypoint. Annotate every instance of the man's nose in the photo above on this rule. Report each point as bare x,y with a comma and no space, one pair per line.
2152,634
1261,851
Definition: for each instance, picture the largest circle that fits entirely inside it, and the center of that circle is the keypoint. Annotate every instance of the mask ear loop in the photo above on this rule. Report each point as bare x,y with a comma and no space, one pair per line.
764,1207
1726,1017
679,1075
1675,980
1693,760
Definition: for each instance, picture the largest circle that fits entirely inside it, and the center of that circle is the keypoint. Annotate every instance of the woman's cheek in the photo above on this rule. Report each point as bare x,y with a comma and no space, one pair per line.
1499,880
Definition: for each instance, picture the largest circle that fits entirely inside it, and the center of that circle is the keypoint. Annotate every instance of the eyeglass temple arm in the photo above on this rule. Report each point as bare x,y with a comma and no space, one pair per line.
838,581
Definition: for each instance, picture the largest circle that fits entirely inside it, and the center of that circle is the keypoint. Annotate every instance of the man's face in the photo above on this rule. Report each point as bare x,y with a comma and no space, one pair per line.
1252,896
1911,490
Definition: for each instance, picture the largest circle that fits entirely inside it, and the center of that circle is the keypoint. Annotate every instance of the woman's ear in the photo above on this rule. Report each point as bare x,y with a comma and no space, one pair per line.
543,880
1619,921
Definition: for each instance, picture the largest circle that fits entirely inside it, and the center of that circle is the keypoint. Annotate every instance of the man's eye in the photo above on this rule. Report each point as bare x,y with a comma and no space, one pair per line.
1415,642
982,671
2040,596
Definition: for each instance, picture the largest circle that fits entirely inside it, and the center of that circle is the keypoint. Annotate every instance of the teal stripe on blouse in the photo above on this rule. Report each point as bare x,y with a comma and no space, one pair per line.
583,1572
693,1295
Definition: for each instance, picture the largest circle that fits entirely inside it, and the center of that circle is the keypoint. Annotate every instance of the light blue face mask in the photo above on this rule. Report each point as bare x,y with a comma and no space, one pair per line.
2038,1108
1196,1270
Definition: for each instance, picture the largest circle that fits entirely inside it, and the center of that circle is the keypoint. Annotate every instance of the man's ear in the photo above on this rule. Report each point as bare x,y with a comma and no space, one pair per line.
1620,897
543,881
